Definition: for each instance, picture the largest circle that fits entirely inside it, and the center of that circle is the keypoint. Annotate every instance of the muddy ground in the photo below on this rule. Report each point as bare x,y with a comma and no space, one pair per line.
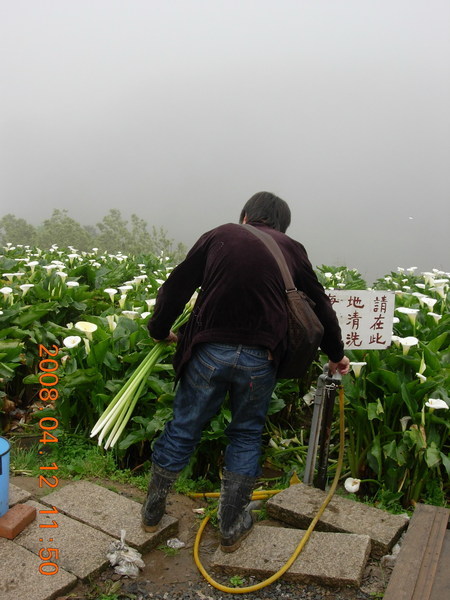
174,573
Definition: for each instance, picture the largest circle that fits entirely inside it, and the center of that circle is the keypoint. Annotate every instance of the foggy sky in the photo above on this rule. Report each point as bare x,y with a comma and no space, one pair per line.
180,110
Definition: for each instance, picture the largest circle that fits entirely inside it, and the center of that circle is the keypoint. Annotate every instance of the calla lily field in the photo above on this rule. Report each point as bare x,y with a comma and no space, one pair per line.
115,385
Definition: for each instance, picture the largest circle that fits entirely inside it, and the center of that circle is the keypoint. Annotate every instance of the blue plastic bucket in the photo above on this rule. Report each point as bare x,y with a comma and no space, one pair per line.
4,475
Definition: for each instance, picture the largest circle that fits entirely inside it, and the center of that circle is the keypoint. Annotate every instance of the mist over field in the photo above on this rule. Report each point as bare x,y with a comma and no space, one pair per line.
179,111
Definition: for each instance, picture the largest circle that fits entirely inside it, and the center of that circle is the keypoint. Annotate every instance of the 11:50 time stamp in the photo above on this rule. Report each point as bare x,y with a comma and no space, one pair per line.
48,379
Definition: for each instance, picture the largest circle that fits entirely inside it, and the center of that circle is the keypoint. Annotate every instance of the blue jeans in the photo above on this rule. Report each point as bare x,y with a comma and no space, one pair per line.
249,377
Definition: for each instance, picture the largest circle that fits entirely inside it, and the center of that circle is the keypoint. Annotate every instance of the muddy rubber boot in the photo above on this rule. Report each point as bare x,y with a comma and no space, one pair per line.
155,504
235,520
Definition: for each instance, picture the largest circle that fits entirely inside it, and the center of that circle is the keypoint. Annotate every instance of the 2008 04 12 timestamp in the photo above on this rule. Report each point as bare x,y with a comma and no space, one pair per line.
48,379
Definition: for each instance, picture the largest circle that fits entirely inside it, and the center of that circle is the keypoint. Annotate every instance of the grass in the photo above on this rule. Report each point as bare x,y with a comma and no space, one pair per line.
24,461
78,458
75,457
168,551
237,581
107,590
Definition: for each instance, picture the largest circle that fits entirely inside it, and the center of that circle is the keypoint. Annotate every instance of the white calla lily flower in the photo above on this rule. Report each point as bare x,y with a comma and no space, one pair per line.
411,312
111,322
193,300
436,403
408,342
421,377
435,316
72,284
404,422
396,340
140,278
131,314
423,365
7,293
86,327
112,292
430,302
419,297
25,287
150,303
356,367
352,485
32,264
441,290
71,341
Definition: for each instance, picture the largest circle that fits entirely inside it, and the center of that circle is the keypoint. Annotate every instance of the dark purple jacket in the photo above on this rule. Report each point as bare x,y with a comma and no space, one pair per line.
242,298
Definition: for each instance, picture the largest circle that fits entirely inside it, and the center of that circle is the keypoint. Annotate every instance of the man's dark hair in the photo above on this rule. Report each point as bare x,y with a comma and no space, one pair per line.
267,208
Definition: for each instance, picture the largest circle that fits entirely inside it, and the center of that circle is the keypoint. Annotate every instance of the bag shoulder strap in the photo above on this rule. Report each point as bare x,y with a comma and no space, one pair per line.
277,254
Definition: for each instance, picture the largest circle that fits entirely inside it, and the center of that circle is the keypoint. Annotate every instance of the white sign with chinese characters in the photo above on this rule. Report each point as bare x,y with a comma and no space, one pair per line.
365,317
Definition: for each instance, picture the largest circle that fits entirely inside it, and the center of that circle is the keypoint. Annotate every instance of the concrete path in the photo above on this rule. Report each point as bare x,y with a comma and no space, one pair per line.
299,504
69,539
75,525
335,559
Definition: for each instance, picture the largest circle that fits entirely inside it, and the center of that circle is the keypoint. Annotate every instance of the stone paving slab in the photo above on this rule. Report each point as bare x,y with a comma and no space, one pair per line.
299,504
81,549
334,559
20,578
109,512
17,495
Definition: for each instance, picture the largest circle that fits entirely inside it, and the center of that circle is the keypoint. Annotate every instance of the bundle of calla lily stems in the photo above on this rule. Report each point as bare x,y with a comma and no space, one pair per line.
118,412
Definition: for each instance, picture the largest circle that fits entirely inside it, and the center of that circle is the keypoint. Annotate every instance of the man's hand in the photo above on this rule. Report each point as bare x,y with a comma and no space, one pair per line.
343,366
172,338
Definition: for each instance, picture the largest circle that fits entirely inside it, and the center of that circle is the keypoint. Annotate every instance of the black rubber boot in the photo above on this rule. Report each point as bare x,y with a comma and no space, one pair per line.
155,504
235,520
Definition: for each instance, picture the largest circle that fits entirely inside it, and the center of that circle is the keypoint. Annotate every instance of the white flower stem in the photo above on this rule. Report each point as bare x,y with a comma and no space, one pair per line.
118,412
133,381
122,422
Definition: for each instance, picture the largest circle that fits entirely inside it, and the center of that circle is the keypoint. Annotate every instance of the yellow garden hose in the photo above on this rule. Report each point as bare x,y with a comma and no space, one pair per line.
258,495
